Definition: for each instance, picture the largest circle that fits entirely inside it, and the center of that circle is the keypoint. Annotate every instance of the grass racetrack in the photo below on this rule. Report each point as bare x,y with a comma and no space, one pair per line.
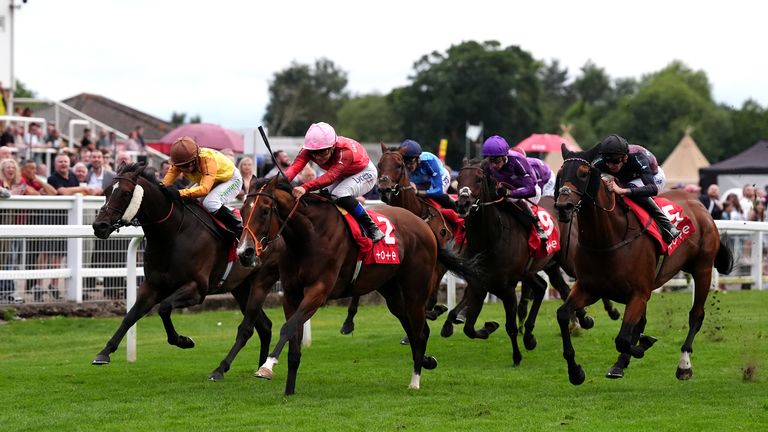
359,382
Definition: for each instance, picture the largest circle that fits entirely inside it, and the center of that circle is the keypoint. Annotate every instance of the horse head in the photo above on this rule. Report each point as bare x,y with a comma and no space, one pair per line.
124,198
577,182
260,211
475,187
393,176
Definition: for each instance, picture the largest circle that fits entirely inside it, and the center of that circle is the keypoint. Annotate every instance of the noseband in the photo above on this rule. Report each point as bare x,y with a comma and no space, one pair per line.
121,222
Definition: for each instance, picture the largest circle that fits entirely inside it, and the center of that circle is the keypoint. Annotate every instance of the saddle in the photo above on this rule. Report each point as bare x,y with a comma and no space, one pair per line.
454,221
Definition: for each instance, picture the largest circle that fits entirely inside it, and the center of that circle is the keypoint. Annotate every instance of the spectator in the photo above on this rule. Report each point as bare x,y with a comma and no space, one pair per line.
735,210
306,175
7,137
123,158
42,172
81,173
132,143
53,137
87,140
103,141
85,156
283,161
246,170
99,176
63,179
711,201
11,179
6,153
34,137
757,213
140,137
29,176
747,199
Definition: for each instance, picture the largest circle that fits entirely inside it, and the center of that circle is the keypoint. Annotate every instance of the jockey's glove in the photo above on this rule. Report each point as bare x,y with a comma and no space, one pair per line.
172,194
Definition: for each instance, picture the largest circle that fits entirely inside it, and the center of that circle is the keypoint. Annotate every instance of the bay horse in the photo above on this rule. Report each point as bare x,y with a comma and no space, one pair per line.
319,263
185,260
396,190
617,260
498,233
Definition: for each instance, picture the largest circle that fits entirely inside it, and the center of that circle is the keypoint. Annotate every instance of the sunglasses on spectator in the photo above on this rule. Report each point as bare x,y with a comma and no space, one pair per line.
321,152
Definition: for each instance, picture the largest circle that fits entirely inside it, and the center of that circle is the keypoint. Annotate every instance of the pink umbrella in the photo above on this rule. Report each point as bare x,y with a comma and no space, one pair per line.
207,135
544,143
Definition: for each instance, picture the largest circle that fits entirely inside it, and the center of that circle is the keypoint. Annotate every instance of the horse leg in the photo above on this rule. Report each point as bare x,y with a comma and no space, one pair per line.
577,299
434,310
539,286
644,342
186,295
447,330
509,300
702,279
145,300
522,306
349,323
253,317
294,360
613,313
297,310
474,299
631,326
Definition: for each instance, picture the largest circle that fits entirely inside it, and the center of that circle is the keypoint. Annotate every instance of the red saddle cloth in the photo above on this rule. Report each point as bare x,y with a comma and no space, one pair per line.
454,221
675,214
383,252
536,247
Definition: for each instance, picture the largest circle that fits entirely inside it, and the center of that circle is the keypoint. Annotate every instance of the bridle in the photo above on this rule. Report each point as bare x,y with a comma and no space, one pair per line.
398,187
566,190
263,241
121,222
466,192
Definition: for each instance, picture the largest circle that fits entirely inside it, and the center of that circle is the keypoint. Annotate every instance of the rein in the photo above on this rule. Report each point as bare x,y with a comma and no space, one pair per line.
262,244
466,192
134,221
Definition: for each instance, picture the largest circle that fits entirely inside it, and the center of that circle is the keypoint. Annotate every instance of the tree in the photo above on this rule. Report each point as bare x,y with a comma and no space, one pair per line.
301,95
368,118
22,91
470,83
555,97
750,124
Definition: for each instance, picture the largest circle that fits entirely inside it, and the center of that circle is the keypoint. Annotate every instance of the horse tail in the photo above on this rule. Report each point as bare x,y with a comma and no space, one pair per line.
724,258
466,268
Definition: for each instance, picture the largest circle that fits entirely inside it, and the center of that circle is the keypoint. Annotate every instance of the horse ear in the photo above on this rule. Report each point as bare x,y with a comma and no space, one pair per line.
464,162
564,150
384,147
402,150
273,183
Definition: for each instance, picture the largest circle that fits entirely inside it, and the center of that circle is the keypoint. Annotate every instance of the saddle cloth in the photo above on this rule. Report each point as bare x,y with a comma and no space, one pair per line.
537,248
454,221
383,252
675,214
223,230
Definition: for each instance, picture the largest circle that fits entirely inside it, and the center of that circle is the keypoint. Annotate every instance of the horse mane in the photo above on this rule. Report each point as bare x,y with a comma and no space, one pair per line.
142,169
282,184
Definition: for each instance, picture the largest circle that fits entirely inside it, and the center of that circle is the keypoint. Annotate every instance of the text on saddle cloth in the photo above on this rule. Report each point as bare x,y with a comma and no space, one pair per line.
675,214
383,252
536,247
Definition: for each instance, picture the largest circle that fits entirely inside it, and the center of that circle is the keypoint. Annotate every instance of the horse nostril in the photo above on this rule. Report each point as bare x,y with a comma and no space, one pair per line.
249,252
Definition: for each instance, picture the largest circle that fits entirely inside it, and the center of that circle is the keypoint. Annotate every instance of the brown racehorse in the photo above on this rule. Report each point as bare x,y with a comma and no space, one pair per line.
498,232
184,261
319,263
616,259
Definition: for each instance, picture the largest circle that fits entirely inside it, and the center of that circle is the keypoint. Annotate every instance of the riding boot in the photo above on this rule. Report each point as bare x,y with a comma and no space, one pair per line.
536,223
354,208
234,223
668,231
446,201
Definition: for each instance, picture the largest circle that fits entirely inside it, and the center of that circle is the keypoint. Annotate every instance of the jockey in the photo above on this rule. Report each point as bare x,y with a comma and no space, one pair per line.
349,172
217,178
427,174
544,177
634,173
513,172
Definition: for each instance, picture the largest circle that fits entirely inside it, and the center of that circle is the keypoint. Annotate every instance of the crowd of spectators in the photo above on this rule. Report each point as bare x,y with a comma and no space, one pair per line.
749,205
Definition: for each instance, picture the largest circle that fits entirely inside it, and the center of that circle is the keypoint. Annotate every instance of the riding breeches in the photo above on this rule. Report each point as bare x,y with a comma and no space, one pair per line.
533,199
659,178
223,193
355,185
549,187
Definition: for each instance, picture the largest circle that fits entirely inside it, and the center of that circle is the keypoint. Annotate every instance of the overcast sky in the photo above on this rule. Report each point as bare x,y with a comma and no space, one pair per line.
215,58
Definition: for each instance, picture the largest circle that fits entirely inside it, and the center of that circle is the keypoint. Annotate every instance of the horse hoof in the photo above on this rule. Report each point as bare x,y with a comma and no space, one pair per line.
263,373
646,341
436,311
347,328
405,341
684,374
429,362
491,326
516,359
587,322
216,376
529,341
577,375
614,314
185,342
100,360
447,331
636,352
615,372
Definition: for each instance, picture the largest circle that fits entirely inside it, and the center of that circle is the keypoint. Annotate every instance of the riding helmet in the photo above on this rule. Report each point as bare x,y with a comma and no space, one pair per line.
412,148
319,136
495,146
183,151
614,144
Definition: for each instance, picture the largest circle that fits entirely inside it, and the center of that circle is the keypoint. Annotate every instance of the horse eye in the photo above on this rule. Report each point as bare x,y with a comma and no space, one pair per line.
263,212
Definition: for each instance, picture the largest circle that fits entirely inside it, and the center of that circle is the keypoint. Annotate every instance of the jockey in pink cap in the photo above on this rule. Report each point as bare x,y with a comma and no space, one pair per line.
349,172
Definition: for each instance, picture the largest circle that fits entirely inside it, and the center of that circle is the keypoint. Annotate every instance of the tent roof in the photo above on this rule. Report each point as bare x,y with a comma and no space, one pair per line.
682,165
555,159
751,160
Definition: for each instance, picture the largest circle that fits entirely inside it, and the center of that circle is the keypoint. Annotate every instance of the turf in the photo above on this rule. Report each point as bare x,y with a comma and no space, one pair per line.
359,382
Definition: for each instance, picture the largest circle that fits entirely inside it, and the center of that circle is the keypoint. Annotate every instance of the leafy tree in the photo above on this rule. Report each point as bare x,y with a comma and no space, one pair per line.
303,94
22,91
178,119
750,124
368,118
593,86
470,83
555,97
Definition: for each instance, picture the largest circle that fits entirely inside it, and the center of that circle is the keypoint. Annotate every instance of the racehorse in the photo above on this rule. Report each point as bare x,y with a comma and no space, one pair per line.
185,260
396,190
498,232
616,260
320,260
